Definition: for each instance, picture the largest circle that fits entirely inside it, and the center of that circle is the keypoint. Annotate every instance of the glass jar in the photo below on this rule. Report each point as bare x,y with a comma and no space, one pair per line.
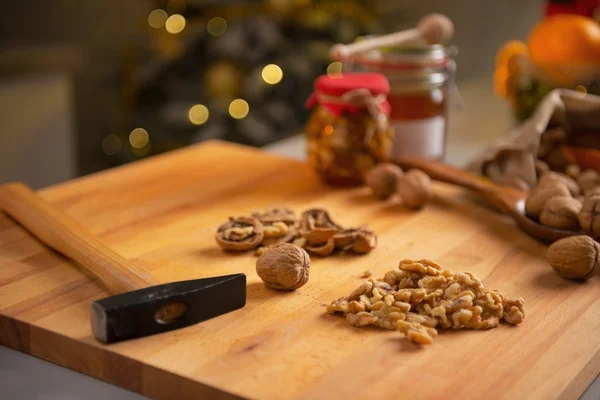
348,130
420,79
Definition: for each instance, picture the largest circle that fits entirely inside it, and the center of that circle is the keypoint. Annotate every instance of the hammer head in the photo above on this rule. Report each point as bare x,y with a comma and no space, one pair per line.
166,307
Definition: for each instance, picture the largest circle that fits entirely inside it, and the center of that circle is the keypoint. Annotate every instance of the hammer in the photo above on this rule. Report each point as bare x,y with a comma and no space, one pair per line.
141,306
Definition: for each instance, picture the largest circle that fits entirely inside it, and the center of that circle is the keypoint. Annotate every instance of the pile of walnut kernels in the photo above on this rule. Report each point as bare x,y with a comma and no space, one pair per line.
421,296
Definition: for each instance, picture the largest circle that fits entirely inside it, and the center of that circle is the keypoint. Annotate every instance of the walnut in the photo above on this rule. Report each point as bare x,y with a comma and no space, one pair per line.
541,168
366,274
513,313
562,213
415,188
272,215
382,179
589,217
588,180
550,140
550,177
316,226
557,159
573,171
321,249
284,267
575,257
239,234
515,181
534,205
592,192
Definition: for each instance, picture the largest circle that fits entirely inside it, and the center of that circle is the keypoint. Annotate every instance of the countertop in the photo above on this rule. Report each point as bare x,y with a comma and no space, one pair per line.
481,118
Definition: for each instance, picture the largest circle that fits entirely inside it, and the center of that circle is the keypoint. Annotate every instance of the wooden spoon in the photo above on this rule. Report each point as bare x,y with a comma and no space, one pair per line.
508,200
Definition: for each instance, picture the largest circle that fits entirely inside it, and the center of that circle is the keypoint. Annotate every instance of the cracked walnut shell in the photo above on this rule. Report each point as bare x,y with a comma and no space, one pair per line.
316,226
272,215
284,267
415,188
575,257
240,234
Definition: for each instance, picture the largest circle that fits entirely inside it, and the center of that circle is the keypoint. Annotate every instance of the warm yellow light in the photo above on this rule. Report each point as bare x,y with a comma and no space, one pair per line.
239,108
138,138
198,114
334,69
157,18
175,23
581,89
176,6
328,129
272,74
216,26
111,145
143,151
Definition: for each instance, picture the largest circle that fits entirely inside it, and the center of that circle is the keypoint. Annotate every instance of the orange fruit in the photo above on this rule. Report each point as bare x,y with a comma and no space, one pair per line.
565,47
509,50
508,67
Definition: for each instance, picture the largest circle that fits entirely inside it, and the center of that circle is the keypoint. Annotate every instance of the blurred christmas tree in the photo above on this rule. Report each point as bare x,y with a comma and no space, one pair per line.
232,70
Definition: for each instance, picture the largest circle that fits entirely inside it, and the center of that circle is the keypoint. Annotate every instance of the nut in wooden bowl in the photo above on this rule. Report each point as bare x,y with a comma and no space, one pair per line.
589,217
562,213
536,201
575,257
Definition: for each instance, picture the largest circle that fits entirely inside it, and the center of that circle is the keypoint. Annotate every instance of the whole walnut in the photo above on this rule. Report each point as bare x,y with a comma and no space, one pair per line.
551,176
589,217
516,182
562,213
536,201
284,267
588,180
415,188
575,257
382,179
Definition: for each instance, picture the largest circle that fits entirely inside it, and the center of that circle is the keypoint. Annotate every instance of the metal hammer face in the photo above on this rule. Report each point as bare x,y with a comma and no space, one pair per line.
166,307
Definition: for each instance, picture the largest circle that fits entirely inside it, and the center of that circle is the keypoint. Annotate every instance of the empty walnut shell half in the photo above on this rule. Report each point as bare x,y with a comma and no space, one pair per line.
271,215
240,234
316,226
321,249
344,239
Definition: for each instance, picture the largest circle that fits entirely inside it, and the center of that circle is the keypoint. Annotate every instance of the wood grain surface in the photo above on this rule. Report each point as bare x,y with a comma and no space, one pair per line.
162,214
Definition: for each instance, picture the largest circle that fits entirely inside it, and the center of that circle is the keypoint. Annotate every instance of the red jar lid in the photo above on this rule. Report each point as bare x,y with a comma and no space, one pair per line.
330,89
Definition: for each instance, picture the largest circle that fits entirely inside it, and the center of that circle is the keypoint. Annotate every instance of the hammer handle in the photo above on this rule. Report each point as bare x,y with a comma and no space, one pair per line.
63,234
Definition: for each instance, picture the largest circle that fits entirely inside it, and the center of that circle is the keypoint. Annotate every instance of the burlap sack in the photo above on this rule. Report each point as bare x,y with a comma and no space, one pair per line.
515,153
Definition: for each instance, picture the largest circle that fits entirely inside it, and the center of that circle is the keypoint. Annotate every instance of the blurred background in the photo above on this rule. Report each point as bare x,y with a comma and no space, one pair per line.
89,85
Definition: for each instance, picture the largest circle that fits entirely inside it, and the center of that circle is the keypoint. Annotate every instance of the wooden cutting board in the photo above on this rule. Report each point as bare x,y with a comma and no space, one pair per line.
163,212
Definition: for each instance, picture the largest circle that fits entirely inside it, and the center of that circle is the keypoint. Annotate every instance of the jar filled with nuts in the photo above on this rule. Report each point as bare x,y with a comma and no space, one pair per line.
348,131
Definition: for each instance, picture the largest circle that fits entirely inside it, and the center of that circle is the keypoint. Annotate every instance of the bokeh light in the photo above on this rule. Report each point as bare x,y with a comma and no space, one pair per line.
216,26
138,138
334,69
239,108
111,145
175,24
198,114
272,74
581,89
157,18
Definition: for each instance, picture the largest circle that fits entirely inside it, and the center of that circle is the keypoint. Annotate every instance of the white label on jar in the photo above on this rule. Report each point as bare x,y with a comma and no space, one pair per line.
421,137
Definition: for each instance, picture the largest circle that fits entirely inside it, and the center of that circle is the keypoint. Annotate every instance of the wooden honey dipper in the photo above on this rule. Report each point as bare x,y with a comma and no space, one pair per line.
431,29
